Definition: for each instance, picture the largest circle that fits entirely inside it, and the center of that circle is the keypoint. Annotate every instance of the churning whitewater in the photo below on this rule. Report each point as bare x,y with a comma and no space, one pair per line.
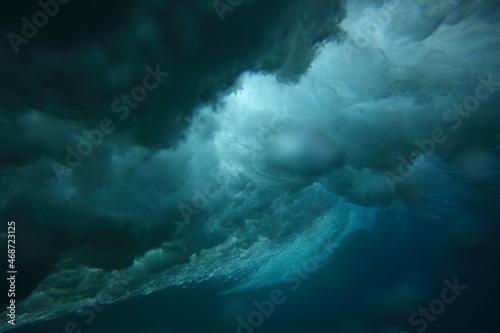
281,166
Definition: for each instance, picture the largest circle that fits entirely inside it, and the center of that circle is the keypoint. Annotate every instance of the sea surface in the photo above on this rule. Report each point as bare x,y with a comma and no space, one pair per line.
248,166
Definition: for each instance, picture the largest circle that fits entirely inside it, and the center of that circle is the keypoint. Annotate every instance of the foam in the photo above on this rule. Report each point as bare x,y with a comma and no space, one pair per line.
294,161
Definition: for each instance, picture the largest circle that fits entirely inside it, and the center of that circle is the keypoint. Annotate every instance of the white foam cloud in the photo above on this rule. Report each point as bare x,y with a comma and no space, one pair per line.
272,166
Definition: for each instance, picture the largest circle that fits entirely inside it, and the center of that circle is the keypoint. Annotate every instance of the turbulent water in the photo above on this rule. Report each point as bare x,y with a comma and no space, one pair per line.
233,173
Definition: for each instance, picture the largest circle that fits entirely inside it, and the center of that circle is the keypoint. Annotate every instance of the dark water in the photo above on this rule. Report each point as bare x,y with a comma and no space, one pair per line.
251,166
401,268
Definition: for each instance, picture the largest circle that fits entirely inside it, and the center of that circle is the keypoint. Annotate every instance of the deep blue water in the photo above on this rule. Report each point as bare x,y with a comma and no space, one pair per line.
345,296
250,166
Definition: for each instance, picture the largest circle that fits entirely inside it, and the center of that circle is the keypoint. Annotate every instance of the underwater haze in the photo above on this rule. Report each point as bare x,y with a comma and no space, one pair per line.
250,166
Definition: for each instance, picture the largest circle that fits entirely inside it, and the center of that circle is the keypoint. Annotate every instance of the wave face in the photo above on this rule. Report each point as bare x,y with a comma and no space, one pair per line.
357,109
